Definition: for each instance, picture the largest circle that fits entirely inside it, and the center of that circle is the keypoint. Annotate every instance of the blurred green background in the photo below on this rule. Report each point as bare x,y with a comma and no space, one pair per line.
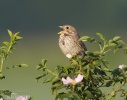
38,21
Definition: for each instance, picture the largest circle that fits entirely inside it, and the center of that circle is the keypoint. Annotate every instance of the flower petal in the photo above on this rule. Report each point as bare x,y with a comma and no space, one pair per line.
22,98
1,98
65,81
121,66
79,78
69,80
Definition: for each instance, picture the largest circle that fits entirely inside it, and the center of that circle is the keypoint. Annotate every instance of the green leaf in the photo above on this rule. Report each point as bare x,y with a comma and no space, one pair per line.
39,66
56,80
2,76
10,34
5,92
42,65
121,42
76,97
109,83
6,43
22,65
106,77
87,94
18,38
39,77
60,96
105,63
101,36
86,38
111,44
57,86
65,69
116,38
47,80
16,34
43,62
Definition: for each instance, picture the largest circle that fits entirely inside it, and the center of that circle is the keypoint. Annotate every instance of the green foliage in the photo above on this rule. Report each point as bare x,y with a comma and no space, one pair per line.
5,50
95,70
5,92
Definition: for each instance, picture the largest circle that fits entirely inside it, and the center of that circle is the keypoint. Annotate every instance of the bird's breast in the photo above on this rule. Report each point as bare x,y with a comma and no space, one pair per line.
69,45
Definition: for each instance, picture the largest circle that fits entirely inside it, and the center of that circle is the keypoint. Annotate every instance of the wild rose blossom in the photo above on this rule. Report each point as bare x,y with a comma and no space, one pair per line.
121,67
1,98
69,81
22,98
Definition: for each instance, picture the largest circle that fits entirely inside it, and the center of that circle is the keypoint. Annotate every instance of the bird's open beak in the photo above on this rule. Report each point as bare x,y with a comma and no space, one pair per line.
61,32
60,26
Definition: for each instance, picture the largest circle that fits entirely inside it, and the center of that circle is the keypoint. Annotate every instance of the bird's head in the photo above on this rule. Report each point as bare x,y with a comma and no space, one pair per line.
68,30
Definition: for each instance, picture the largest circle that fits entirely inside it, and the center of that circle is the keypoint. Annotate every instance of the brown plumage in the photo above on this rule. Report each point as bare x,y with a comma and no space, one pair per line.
69,42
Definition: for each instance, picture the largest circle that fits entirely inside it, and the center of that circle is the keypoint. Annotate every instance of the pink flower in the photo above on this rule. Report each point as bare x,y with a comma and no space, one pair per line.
121,66
22,98
69,81
1,98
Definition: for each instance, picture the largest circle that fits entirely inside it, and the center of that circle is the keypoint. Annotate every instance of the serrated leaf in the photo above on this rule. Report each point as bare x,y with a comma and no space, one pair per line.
22,65
18,38
121,41
65,69
2,76
76,97
56,80
109,83
10,33
44,61
116,38
106,77
88,94
16,34
101,36
48,80
115,50
60,96
111,44
105,63
86,38
6,43
42,65
56,86
5,92
39,66
39,77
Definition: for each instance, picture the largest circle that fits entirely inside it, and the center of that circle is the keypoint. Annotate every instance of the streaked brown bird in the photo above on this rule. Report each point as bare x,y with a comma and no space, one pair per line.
69,42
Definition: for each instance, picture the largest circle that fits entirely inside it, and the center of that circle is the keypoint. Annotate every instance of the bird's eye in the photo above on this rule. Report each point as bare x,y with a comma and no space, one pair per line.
67,27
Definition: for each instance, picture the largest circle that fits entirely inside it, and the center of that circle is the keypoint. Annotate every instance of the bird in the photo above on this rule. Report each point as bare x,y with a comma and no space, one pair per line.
69,42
